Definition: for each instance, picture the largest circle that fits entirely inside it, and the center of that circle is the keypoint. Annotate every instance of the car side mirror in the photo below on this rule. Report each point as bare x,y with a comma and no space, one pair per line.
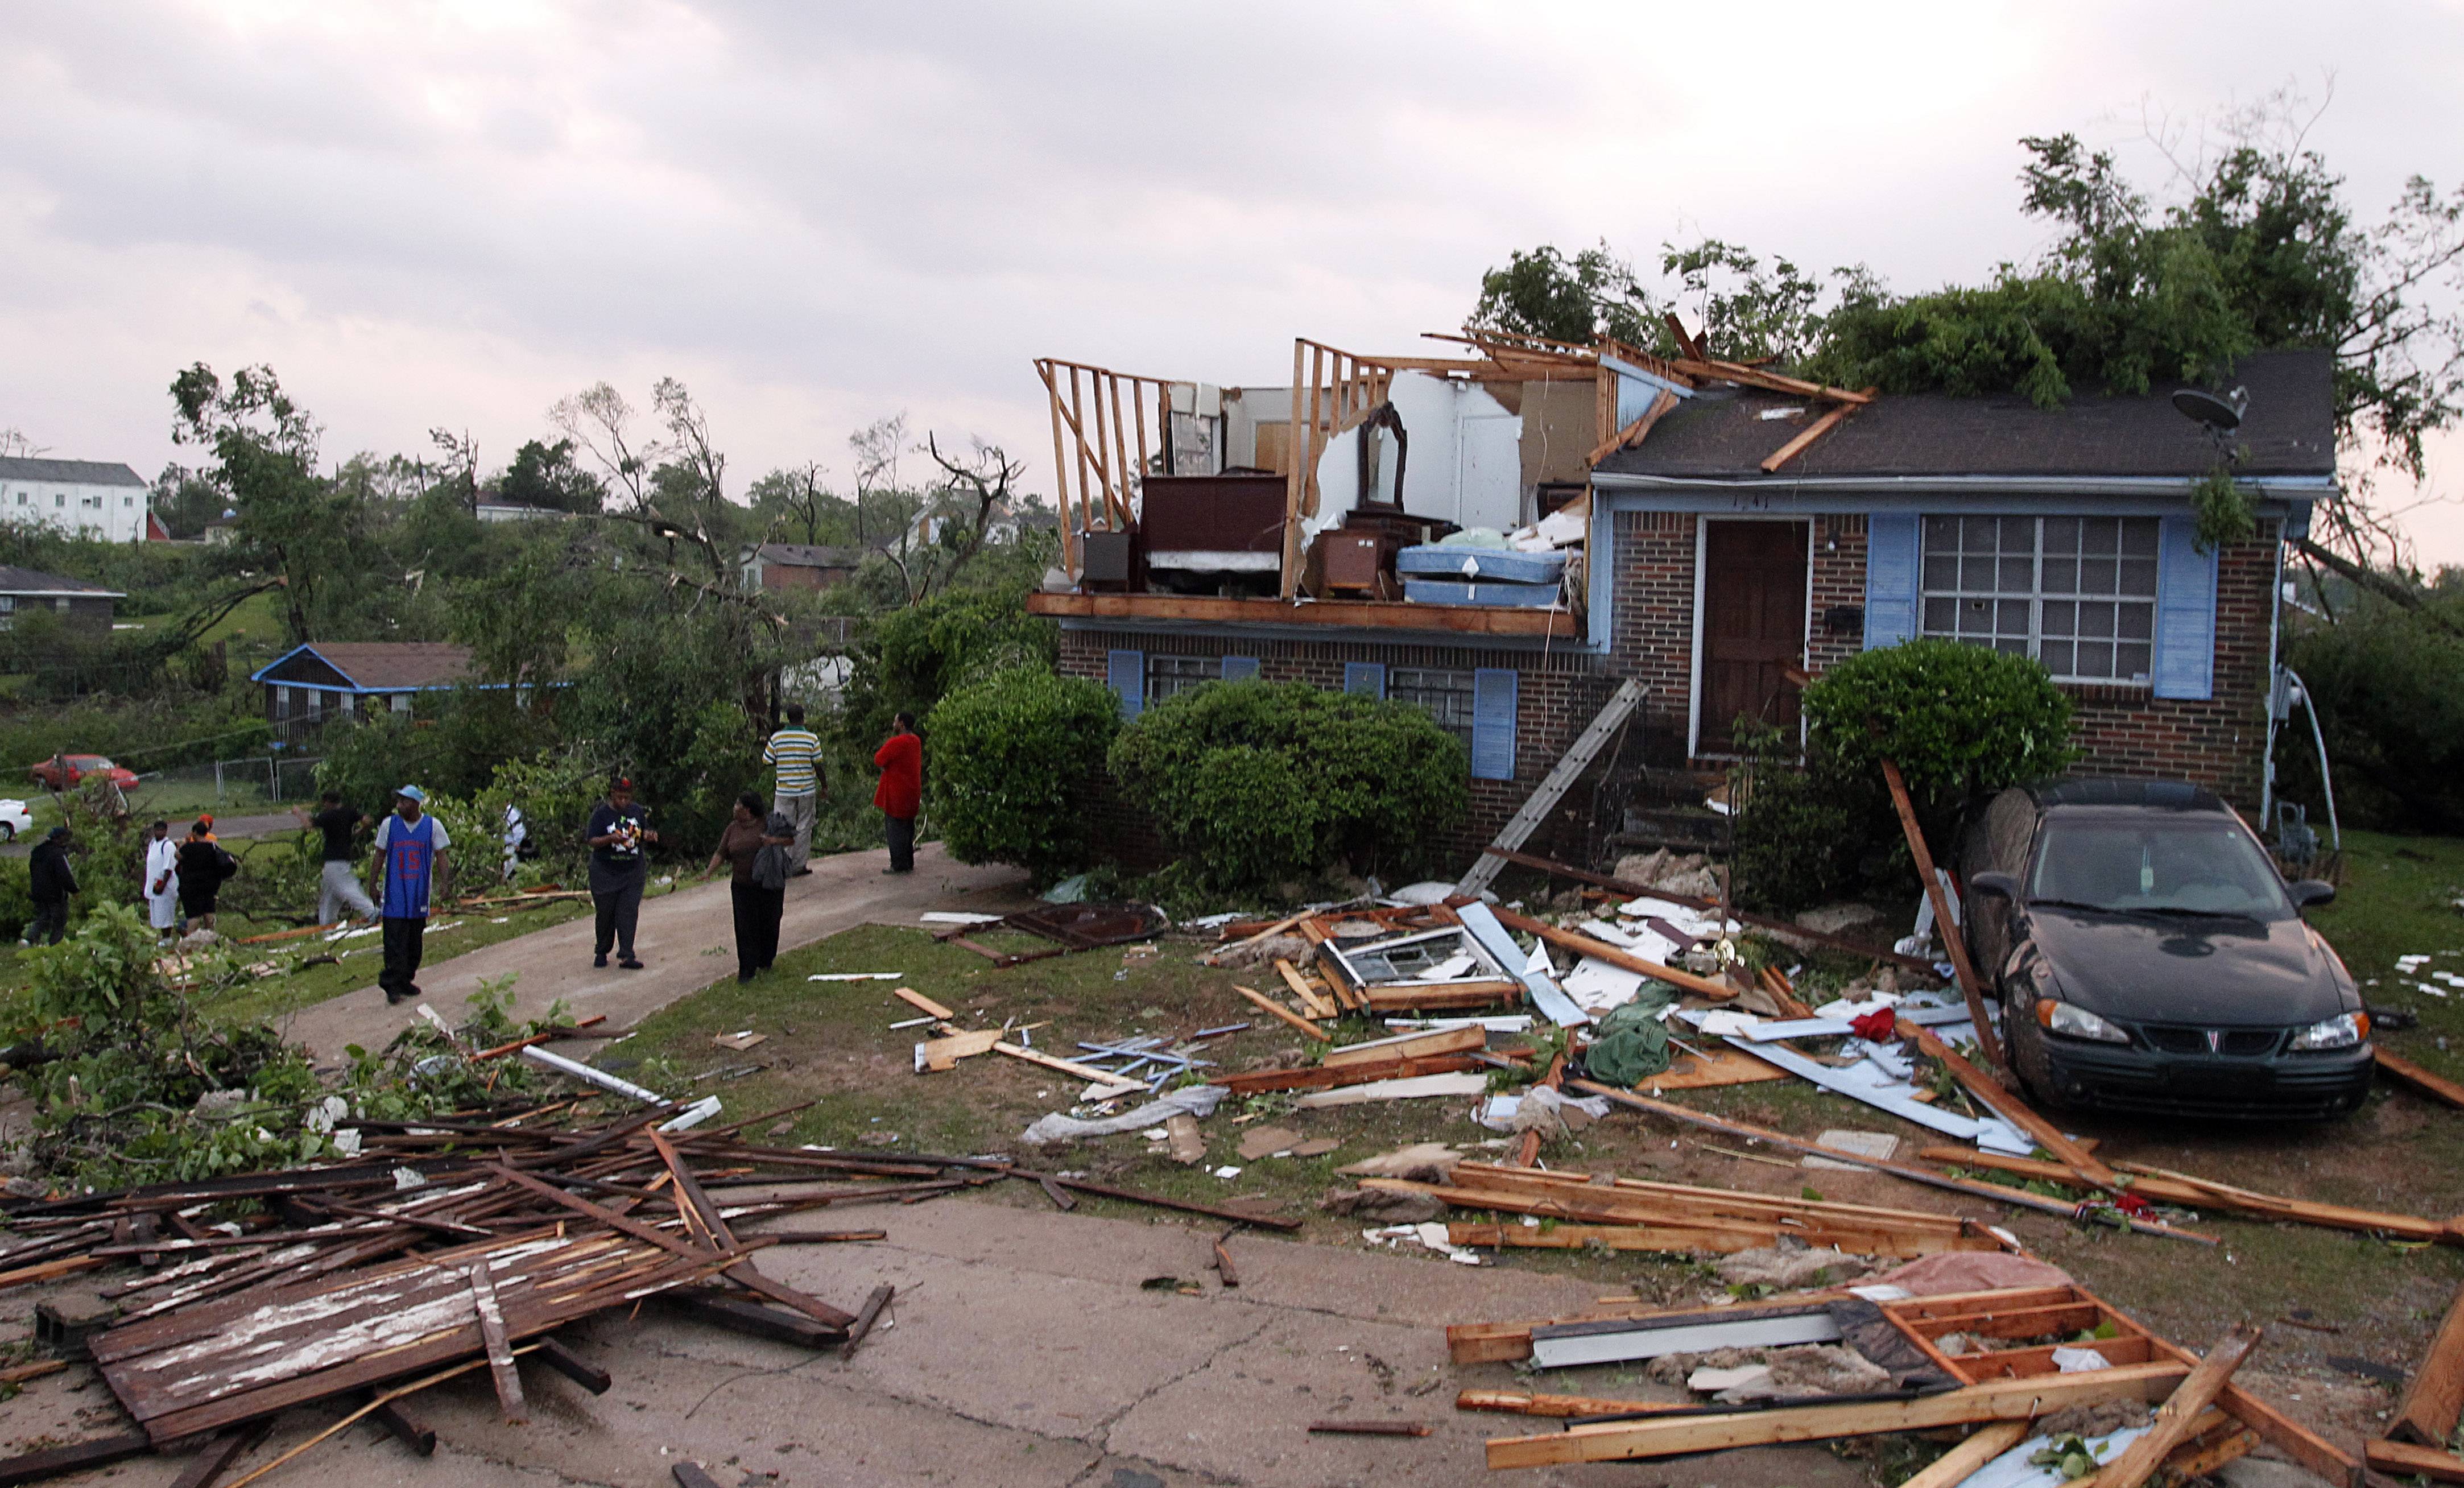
2002,885
2313,891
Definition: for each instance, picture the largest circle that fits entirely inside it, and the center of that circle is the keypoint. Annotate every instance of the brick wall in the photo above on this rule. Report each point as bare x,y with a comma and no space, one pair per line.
1653,634
1557,694
2121,730
1838,585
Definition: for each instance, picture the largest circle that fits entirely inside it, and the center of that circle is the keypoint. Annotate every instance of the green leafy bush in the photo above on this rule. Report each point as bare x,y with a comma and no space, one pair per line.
1959,720
1010,756
911,658
16,898
2389,685
1265,782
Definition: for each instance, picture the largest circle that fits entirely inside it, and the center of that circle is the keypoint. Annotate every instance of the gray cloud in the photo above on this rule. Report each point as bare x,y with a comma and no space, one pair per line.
816,214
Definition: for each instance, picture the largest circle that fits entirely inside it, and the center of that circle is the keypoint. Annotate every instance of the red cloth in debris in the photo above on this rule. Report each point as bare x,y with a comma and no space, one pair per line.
901,791
1876,1027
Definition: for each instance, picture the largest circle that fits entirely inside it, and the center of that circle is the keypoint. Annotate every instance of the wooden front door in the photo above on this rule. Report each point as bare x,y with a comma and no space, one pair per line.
1754,626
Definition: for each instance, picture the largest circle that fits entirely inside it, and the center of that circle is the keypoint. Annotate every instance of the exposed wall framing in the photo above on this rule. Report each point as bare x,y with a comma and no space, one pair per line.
1099,430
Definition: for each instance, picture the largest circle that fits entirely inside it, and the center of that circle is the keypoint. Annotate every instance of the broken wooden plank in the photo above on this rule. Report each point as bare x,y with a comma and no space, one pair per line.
1614,956
939,1056
2000,1192
2433,1403
1407,1046
1413,1087
1225,1270
216,1456
2176,1419
1087,1072
501,1349
1990,1093
1982,1446
1268,1004
865,1317
1314,1003
405,1427
822,1237
1808,435
1997,1400
74,1458
1314,1076
1523,1402
1946,926
922,1003
573,1367
2404,1459
743,1314
2421,1082
1709,1069
2197,1194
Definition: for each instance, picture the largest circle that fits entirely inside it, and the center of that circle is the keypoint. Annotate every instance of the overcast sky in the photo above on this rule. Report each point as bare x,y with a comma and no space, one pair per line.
815,214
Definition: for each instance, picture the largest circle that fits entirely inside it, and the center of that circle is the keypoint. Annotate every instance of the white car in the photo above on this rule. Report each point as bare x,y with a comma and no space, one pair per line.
14,819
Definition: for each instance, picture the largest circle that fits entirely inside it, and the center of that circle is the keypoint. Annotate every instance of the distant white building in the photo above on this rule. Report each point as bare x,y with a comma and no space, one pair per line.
93,498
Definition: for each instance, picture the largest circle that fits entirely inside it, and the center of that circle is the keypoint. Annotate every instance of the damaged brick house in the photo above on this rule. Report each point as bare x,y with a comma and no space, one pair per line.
1717,532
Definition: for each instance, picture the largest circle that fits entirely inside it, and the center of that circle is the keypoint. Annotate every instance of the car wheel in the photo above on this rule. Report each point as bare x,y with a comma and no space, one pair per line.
8,831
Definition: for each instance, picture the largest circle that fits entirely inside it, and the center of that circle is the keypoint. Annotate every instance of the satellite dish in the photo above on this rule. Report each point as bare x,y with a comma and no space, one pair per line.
2219,411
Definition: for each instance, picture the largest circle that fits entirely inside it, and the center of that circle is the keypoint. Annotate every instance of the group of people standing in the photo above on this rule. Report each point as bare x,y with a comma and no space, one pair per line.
761,847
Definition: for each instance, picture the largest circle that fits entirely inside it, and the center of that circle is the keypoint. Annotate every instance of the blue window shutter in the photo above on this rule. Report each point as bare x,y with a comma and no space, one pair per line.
2186,611
1891,568
1125,672
1366,678
1240,669
1492,723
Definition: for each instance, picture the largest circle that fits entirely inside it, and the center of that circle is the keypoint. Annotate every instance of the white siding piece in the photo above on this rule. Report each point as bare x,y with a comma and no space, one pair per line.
1598,985
1545,993
1863,1083
1551,1350
1412,1088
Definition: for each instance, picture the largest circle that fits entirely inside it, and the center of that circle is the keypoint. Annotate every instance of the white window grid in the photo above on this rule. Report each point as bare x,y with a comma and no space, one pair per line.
1447,695
2076,593
1170,676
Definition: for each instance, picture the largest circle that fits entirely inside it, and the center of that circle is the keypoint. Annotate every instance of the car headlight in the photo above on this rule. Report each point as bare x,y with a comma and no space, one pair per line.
2341,1032
2076,1022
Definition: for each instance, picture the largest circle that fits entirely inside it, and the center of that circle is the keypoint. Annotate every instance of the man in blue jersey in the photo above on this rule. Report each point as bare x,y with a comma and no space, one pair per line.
795,752
409,858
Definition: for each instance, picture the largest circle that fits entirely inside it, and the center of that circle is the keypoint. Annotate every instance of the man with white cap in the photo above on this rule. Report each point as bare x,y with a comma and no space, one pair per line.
410,856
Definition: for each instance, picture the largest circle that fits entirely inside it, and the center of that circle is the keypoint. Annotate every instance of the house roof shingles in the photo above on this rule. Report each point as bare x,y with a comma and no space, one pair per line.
76,472
15,580
395,666
2288,429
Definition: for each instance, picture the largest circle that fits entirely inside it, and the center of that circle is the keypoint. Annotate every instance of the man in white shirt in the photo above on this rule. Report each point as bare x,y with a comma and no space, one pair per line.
162,880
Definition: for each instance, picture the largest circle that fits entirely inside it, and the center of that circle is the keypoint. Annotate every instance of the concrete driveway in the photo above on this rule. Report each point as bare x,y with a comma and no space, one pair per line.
677,929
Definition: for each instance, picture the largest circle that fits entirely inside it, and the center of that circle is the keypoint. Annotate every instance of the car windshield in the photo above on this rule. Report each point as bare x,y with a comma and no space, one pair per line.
2157,866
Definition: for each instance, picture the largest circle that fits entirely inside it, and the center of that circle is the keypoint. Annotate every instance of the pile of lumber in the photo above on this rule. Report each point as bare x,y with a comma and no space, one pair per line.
1379,961
2003,1378
450,1246
1635,1214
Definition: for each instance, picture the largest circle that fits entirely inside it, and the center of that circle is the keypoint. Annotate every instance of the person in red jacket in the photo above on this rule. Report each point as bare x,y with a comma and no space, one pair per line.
900,794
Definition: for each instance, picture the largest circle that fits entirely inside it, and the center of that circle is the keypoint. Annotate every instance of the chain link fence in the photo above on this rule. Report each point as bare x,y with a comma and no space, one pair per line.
228,785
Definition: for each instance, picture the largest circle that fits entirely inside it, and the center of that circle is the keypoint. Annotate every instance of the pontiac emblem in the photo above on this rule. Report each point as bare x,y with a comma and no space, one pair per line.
2215,1041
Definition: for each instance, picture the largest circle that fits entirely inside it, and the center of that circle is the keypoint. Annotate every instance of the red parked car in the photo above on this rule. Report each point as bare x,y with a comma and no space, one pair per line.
61,772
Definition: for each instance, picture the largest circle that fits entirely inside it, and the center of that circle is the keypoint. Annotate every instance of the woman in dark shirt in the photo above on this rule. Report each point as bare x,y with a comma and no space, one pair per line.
758,903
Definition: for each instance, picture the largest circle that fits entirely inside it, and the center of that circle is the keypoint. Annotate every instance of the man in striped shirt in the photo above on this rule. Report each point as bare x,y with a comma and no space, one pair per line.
796,751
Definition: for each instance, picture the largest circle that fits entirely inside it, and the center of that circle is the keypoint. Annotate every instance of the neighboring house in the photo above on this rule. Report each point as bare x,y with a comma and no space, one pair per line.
84,609
311,685
1724,541
795,565
93,498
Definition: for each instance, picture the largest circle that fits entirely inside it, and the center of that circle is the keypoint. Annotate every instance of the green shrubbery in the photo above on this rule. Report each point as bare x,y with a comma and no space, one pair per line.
1009,760
2389,685
1259,783
1959,720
